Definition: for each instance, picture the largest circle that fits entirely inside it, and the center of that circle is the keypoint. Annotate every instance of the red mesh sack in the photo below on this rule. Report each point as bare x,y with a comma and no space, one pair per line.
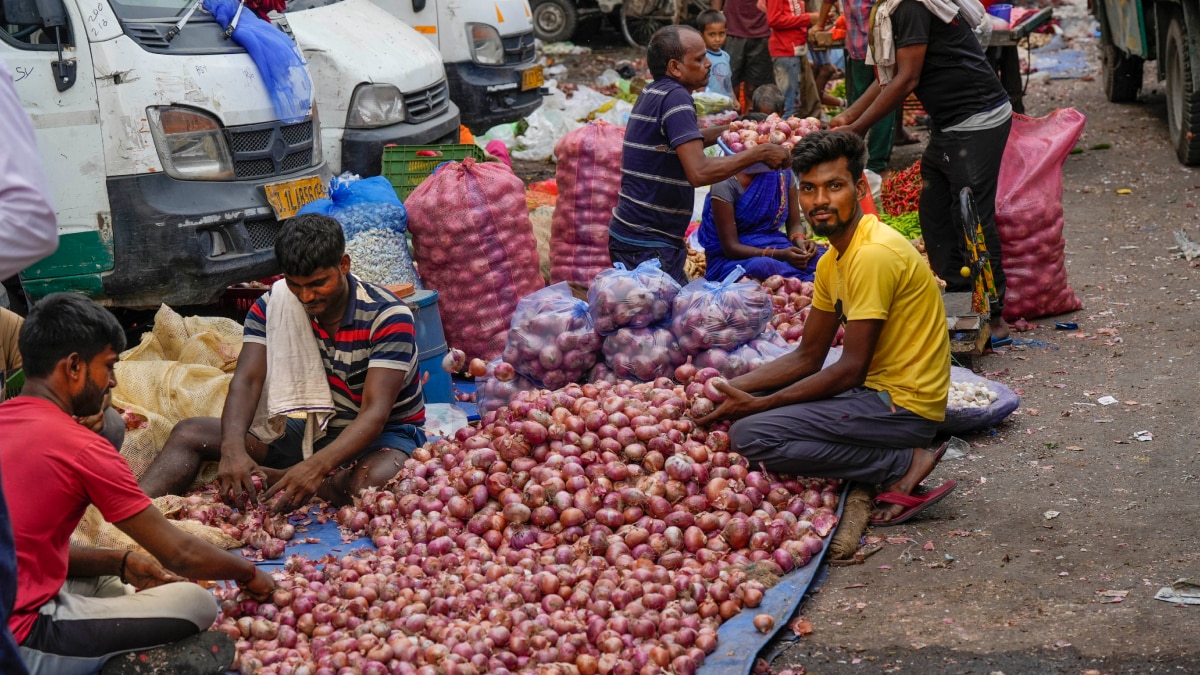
473,243
1029,214
588,177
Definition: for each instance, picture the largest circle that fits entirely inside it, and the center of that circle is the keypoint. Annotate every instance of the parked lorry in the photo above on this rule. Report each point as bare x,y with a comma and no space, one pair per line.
488,51
377,82
1165,32
168,165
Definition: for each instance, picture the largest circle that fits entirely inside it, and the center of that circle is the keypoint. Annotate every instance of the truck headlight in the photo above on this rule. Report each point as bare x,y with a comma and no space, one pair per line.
191,144
486,47
318,153
375,105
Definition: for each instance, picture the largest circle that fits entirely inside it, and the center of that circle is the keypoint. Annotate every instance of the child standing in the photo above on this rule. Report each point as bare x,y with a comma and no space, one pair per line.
712,26
789,21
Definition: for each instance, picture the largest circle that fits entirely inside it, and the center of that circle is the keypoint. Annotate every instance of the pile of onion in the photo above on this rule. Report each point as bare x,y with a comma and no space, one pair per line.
792,299
642,353
594,527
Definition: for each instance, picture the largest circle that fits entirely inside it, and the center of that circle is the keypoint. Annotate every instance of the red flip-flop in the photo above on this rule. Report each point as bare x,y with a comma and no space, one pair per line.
913,504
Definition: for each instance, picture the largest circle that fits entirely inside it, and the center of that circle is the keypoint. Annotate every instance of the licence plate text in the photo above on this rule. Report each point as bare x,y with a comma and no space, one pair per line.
288,197
532,78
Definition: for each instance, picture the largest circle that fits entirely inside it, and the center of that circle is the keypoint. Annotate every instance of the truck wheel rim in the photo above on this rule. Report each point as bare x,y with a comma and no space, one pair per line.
550,18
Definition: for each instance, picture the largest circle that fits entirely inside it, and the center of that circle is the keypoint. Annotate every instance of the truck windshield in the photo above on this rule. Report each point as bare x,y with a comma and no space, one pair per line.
150,10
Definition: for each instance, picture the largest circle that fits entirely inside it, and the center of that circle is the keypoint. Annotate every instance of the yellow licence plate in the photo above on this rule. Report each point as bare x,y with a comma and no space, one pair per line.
288,197
532,78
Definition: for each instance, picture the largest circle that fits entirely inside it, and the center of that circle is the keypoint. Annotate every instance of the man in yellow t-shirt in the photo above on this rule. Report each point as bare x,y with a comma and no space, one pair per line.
870,416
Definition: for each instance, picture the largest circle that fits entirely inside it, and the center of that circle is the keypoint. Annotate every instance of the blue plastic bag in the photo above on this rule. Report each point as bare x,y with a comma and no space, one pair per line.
279,62
375,222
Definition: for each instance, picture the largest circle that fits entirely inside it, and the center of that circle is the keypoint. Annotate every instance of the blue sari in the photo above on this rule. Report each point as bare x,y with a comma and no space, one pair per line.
761,215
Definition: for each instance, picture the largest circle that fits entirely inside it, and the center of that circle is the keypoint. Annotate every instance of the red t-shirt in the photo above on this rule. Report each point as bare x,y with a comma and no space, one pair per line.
789,24
743,19
53,469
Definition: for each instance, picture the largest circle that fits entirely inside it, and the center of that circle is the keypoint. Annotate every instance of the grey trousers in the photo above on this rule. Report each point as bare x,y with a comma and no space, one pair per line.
854,436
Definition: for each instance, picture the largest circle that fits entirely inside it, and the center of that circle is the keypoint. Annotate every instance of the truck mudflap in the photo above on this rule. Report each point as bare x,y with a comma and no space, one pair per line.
362,149
183,242
491,95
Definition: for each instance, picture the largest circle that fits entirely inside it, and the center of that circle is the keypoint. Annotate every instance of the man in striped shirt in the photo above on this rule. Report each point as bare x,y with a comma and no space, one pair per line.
663,159
368,346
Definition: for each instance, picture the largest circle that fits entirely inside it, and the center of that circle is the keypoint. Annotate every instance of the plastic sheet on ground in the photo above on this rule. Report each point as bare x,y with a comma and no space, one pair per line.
738,641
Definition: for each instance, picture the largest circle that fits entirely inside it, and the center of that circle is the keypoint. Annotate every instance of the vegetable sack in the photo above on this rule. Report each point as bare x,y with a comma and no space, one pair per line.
636,298
588,177
1029,214
552,340
723,314
474,243
963,419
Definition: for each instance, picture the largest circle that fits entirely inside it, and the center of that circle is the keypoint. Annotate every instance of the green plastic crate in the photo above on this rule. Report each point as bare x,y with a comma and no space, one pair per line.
405,170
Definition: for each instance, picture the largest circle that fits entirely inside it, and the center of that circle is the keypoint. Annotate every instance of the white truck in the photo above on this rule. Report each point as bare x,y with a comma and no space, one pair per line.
378,82
169,167
488,50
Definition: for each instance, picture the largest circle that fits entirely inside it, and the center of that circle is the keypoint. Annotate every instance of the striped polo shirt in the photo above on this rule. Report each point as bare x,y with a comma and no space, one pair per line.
654,205
377,331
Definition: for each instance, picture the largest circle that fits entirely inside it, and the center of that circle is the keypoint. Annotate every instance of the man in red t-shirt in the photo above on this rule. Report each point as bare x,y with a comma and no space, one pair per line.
76,606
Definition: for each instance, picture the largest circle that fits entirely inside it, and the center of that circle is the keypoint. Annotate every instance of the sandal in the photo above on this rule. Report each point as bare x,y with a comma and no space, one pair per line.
913,504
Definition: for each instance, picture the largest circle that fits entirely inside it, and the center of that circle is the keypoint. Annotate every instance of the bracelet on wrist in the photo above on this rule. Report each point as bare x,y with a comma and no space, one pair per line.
124,559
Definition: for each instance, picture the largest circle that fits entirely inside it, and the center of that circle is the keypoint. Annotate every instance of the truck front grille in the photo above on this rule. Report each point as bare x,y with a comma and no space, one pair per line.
270,149
519,49
427,103
262,233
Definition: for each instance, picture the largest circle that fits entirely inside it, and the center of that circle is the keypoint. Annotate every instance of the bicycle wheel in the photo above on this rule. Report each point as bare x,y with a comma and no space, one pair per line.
640,19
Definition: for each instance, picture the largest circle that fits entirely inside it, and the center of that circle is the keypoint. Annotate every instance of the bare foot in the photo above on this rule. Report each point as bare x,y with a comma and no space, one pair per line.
998,327
923,461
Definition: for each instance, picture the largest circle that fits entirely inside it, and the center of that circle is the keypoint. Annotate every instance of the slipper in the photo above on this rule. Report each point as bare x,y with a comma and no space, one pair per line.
1001,342
913,504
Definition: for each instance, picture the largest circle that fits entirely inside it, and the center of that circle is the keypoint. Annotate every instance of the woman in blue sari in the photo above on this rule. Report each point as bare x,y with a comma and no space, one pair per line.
754,221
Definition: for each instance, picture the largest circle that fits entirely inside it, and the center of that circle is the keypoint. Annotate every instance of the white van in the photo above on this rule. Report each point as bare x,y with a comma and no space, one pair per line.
160,152
489,53
377,82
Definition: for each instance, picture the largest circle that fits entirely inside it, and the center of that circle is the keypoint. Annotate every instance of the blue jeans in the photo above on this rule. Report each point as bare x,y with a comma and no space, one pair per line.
787,78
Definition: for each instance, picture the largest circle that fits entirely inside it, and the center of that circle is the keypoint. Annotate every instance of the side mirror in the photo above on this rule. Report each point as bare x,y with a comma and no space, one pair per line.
418,5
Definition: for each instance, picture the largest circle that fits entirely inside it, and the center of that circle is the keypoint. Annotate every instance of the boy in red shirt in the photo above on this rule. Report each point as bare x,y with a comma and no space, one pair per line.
789,21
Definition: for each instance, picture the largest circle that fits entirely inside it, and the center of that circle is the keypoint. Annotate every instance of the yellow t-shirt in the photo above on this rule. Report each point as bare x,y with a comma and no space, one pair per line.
881,276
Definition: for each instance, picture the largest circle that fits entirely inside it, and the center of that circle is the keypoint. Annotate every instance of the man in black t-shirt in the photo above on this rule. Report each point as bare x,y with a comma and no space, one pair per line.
970,116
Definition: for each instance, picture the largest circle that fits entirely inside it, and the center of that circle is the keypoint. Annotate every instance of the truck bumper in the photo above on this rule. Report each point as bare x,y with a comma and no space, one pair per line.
362,149
490,95
183,242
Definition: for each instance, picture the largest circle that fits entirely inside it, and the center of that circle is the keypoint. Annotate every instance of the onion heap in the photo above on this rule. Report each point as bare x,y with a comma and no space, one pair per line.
719,314
642,353
746,134
635,298
551,340
497,386
749,357
265,534
792,299
594,529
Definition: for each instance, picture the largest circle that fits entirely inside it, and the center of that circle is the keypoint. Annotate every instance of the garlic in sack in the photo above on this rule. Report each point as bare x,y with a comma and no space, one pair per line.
970,395
381,256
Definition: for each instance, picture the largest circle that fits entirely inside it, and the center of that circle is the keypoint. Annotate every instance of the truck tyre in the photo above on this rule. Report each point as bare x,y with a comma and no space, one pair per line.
1122,74
1183,101
554,20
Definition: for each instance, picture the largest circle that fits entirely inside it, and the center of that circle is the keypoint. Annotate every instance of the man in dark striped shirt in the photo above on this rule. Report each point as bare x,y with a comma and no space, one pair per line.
368,346
663,159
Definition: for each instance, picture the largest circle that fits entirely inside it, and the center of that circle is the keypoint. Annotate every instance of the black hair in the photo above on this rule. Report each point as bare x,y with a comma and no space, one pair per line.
754,117
770,97
820,147
666,45
308,243
62,324
708,17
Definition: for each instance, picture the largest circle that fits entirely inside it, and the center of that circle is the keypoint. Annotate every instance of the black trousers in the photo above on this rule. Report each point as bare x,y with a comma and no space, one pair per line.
954,160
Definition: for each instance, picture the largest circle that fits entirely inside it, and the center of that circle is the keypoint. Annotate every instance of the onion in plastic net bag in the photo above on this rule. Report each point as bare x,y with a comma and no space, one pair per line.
749,357
588,177
643,353
722,314
970,413
492,393
474,242
374,222
552,340
636,298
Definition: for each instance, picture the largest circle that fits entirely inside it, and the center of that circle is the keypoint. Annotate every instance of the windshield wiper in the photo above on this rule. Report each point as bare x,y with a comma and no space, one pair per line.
174,30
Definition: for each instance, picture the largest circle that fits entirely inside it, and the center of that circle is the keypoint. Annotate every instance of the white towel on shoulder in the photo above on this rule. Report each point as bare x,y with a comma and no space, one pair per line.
296,381
882,45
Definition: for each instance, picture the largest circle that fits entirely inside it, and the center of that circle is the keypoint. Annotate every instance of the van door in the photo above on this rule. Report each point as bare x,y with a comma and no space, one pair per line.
59,93
421,15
